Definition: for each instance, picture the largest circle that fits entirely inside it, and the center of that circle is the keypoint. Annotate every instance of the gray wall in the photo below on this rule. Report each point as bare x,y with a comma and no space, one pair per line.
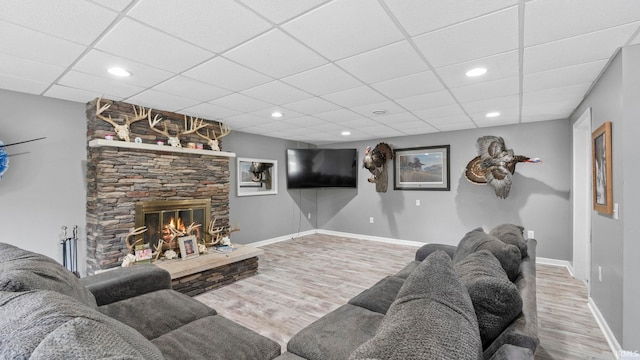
44,187
267,216
539,198
615,246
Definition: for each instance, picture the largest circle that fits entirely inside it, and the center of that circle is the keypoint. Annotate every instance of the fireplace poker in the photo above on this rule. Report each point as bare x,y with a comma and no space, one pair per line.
74,246
63,242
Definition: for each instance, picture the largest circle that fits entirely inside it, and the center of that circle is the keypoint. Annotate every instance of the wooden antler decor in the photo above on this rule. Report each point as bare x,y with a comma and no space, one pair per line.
122,130
136,231
190,127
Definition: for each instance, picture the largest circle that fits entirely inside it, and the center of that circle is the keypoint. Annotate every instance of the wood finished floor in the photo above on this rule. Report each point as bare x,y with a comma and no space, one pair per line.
301,280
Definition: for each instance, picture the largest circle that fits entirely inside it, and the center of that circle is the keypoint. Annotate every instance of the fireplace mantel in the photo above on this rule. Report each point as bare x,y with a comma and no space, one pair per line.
154,147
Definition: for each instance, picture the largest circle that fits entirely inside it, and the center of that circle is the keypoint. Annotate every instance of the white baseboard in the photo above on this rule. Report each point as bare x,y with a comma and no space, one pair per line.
282,238
556,262
372,238
608,334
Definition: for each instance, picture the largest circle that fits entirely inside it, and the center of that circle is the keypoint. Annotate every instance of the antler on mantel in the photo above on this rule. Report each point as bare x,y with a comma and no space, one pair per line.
122,130
191,126
214,143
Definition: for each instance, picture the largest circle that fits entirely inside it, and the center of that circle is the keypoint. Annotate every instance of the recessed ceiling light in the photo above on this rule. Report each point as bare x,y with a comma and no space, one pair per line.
379,112
346,133
118,71
476,72
277,114
493,114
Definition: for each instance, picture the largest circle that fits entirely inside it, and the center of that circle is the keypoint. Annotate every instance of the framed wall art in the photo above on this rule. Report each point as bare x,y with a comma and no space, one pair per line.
188,247
422,168
257,177
602,172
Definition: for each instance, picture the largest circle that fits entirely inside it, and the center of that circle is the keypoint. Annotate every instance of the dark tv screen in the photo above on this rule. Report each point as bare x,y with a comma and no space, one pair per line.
322,168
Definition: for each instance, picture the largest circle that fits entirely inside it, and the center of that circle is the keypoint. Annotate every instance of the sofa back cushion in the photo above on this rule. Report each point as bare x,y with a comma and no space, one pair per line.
22,270
432,318
48,325
495,299
511,234
476,240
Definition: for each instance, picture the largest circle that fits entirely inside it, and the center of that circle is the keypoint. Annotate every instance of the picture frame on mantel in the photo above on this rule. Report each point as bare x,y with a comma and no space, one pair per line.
257,177
601,147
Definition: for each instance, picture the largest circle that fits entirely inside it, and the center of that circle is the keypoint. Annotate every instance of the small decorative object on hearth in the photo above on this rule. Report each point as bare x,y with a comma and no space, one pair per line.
122,130
190,127
170,254
214,143
375,160
494,165
128,260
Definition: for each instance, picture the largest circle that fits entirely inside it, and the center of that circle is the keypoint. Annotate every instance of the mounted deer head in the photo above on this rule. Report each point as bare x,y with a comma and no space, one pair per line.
190,127
214,143
122,130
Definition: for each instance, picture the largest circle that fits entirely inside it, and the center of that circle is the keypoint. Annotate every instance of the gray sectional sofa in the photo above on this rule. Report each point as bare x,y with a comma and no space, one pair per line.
128,313
473,301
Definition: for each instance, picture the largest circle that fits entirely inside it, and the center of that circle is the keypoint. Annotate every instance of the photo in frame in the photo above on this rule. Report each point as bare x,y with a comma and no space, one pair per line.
422,168
257,177
602,170
188,247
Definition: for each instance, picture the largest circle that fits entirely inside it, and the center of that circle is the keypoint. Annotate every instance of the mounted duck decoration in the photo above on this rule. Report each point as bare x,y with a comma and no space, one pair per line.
4,160
494,165
376,162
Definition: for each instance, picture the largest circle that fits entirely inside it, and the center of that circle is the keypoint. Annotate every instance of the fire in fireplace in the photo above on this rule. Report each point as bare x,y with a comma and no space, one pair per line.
159,216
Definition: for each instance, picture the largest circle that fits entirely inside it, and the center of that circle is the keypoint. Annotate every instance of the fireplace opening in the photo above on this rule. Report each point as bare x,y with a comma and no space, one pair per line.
159,216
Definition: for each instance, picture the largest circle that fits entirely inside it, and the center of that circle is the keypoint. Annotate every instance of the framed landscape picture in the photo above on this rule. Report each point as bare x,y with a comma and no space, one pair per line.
602,172
422,168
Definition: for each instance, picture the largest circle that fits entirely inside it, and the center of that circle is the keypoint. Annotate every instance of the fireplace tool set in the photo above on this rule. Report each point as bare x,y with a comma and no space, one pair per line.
70,250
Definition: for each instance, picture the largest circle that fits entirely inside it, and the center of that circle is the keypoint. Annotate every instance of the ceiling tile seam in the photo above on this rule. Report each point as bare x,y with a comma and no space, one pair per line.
92,45
409,39
239,2
588,33
521,10
633,36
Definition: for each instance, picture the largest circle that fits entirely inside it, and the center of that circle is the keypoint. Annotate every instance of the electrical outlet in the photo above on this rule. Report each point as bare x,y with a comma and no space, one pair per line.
309,216
599,272
371,220
531,234
418,202
616,211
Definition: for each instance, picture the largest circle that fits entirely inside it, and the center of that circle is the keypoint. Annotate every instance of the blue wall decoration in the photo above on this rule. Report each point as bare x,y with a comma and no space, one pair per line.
4,160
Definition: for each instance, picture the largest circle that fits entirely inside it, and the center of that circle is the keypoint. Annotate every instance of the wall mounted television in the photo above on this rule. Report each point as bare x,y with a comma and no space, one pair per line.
322,168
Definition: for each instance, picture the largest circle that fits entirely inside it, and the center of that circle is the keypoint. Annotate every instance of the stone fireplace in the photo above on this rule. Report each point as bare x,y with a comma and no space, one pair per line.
122,176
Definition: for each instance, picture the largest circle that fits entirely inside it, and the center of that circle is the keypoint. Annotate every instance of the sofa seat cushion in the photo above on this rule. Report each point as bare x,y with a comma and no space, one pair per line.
495,299
476,240
432,318
157,313
216,337
337,334
379,297
22,270
45,324
511,234
407,270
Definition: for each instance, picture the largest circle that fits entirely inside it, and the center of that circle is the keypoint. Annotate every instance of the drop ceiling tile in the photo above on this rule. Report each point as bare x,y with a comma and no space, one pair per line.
97,63
339,115
327,127
287,114
32,45
548,20
161,100
189,88
210,111
314,105
383,131
393,119
498,67
439,112
223,73
71,94
388,106
323,80
487,90
276,92
411,127
117,5
305,122
568,93
576,50
549,110
571,75
405,86
279,11
362,95
453,126
244,120
213,25
78,21
384,63
13,83
481,37
106,87
507,115
176,55
359,123
240,103
30,70
272,54
498,121
425,101
419,16
492,104
636,40
362,26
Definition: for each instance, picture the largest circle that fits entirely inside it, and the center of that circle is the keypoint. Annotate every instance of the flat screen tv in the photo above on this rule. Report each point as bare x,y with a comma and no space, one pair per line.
322,168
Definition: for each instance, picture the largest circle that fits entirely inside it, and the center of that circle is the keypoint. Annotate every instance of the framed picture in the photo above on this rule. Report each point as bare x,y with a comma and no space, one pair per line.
422,168
602,173
257,176
188,247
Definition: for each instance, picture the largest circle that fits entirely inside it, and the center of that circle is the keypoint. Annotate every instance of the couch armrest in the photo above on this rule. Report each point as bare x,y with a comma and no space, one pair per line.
426,250
123,283
512,352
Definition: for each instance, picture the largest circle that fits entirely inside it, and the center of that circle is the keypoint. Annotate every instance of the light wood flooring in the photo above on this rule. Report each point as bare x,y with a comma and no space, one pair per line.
301,280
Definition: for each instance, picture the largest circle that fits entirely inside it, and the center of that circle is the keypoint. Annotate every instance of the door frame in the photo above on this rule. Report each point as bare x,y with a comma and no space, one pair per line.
581,203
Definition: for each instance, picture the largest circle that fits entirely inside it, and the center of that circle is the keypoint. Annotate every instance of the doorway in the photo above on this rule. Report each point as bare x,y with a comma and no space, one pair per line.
582,197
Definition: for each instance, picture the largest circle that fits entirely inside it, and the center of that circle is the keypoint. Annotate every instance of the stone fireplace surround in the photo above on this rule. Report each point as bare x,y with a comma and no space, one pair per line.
118,177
